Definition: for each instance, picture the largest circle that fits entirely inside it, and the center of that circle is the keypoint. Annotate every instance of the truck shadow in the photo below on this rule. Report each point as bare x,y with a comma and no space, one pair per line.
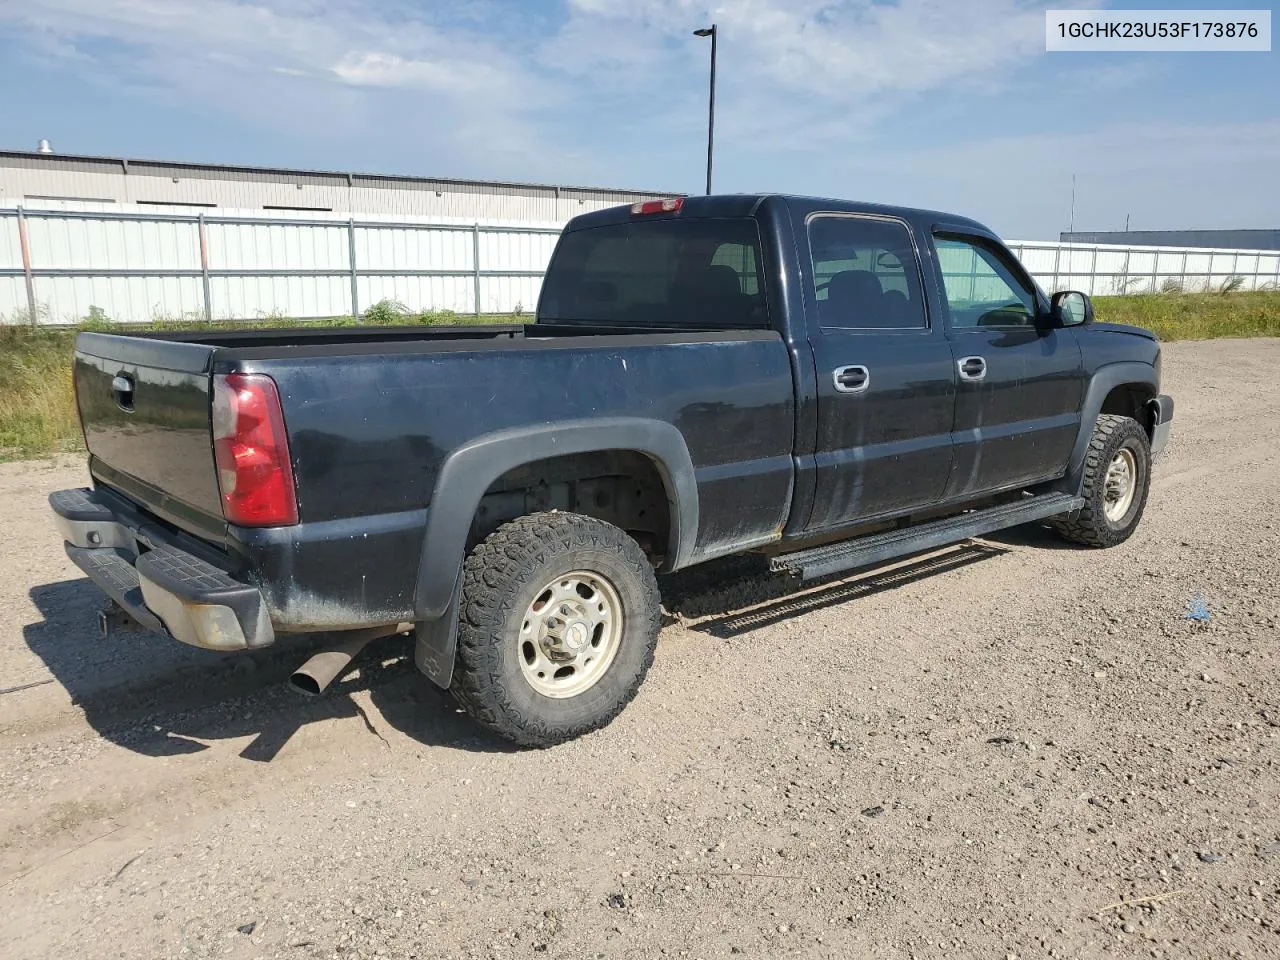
1035,535
158,697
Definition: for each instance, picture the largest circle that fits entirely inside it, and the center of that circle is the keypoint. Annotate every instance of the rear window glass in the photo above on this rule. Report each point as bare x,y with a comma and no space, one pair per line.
865,275
658,273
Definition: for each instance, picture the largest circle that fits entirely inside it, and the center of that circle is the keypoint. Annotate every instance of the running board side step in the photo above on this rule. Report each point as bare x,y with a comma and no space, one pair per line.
867,551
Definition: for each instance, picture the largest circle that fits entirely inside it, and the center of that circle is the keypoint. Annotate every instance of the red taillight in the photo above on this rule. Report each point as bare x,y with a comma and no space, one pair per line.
670,205
252,452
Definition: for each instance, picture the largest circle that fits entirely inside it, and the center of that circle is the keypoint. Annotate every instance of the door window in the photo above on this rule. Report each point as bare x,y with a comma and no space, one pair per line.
982,291
865,274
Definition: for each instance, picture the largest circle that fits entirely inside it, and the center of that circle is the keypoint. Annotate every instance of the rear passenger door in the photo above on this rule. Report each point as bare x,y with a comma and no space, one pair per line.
1020,378
886,380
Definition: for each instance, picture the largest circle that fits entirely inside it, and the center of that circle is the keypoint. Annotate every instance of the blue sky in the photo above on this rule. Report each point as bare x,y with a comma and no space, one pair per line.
945,103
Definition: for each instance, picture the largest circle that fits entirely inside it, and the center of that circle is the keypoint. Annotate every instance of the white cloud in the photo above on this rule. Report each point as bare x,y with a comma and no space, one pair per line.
322,70
838,50
832,52
389,70
796,75
364,42
614,91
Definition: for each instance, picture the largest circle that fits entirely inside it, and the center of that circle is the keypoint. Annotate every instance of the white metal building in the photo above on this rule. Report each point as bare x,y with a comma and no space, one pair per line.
58,181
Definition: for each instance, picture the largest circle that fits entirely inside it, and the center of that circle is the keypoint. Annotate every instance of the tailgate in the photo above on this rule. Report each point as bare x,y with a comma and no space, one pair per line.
145,408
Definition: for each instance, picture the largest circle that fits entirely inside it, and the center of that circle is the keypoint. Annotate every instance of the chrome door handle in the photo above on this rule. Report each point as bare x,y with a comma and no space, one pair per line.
972,369
851,379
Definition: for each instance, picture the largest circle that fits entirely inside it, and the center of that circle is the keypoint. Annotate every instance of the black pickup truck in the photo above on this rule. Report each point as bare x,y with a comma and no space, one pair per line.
832,384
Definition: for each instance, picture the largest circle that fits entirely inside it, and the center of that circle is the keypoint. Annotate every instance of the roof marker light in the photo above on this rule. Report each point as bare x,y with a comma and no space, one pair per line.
670,205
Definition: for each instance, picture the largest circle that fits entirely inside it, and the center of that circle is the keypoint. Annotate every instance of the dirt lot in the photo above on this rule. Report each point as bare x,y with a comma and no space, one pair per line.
979,754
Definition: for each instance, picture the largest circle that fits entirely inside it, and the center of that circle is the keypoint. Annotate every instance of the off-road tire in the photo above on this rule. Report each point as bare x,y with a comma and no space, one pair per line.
1091,526
500,580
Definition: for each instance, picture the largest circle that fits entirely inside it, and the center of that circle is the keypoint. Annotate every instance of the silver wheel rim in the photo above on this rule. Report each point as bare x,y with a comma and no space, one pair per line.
1121,483
570,634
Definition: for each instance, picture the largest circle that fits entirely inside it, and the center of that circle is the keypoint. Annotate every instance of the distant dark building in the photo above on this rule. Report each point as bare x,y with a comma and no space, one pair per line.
1230,239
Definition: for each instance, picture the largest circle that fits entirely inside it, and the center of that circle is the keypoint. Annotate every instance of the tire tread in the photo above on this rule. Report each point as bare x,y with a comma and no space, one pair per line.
1089,525
492,574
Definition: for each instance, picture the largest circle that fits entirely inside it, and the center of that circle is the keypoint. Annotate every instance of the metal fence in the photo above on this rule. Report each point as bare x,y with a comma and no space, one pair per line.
1108,270
61,266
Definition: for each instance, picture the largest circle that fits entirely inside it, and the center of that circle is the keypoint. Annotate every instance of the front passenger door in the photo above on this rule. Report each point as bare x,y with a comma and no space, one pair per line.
1019,380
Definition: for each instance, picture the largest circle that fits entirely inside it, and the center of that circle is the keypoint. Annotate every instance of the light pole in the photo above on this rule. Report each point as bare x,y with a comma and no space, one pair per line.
711,106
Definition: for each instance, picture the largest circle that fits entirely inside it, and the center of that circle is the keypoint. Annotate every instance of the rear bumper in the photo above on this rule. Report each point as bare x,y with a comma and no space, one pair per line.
161,586
1161,422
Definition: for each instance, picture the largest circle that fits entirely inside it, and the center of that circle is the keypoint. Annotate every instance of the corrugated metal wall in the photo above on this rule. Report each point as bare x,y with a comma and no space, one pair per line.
134,264
13,296
43,180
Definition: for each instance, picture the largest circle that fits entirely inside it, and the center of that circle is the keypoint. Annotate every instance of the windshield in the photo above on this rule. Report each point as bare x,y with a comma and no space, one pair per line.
658,273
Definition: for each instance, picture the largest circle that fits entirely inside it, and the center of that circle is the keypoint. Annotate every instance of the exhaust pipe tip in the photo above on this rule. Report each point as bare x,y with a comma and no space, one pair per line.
304,683
313,677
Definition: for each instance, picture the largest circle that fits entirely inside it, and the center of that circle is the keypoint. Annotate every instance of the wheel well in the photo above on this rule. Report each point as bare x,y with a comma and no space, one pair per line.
622,487
1130,400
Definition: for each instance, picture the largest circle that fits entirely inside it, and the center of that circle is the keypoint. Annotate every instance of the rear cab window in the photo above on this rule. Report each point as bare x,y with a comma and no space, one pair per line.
694,273
865,274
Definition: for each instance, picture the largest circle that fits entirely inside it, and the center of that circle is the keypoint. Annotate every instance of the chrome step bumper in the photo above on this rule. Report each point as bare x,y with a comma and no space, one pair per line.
160,585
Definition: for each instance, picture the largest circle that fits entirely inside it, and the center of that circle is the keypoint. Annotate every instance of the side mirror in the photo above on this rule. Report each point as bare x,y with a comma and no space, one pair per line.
1071,308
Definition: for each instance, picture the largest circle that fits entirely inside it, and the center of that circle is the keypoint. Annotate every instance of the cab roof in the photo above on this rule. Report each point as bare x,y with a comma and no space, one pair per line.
750,204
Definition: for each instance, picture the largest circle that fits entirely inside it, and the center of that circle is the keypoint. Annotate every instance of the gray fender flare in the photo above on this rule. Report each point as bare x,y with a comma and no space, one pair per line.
1102,383
468,471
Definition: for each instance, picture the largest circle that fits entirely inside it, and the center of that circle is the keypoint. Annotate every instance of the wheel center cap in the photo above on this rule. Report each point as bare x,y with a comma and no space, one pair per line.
577,635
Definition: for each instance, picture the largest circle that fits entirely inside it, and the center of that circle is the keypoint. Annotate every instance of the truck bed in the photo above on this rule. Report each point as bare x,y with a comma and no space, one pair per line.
155,439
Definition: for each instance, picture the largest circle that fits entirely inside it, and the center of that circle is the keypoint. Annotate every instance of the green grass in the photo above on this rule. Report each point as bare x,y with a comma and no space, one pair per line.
38,415
37,407
1196,316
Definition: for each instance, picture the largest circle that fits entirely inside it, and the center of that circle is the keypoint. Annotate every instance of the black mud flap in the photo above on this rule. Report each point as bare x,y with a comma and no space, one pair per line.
437,642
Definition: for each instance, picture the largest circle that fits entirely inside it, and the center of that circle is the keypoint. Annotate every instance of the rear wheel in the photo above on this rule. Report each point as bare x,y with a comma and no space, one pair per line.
1117,476
560,617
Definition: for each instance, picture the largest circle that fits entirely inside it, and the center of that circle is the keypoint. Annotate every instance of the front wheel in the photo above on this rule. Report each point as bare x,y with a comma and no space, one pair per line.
560,618
1117,476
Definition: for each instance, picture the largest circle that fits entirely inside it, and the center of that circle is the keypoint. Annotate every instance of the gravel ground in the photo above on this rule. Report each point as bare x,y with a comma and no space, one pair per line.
984,753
